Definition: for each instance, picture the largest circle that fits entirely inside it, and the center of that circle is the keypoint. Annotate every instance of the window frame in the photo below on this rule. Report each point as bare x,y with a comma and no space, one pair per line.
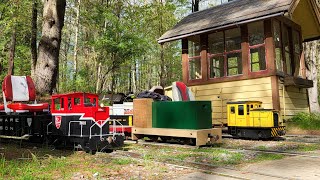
224,54
291,26
257,46
193,58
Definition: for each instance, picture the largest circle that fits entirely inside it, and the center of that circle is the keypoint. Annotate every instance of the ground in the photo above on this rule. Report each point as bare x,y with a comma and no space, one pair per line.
233,159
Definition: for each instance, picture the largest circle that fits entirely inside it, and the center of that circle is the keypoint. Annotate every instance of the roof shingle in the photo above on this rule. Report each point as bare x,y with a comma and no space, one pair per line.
232,13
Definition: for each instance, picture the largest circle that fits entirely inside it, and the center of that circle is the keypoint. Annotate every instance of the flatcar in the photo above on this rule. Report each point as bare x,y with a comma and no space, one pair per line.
73,119
247,119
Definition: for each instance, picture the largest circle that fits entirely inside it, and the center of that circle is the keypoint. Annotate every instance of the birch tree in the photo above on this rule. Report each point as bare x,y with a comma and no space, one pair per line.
47,65
312,53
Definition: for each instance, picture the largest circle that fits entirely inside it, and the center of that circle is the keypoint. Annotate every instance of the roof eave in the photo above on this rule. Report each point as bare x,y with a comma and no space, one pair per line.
161,41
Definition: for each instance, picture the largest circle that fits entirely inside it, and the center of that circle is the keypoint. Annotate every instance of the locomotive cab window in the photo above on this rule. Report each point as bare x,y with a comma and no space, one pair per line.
76,101
240,110
248,109
232,110
58,104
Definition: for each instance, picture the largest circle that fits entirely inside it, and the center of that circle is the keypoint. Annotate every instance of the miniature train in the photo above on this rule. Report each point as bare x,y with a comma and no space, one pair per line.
73,119
77,118
246,119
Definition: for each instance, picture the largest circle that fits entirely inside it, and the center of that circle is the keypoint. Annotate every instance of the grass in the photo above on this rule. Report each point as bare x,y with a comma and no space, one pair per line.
267,157
30,169
306,121
307,147
122,161
47,164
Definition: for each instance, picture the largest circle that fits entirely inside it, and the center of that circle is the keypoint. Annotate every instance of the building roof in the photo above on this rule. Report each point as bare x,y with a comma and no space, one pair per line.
233,13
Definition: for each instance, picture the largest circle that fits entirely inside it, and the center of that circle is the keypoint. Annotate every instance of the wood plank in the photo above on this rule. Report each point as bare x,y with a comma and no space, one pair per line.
227,90
142,112
200,135
293,89
275,93
249,82
295,101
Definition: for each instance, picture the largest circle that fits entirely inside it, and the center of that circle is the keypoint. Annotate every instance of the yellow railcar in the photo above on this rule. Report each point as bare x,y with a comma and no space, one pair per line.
247,119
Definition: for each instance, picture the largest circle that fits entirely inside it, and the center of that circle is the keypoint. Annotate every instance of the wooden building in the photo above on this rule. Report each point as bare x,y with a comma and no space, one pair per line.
248,50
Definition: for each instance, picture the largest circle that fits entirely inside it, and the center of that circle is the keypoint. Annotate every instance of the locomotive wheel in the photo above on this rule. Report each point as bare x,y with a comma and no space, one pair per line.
164,138
153,138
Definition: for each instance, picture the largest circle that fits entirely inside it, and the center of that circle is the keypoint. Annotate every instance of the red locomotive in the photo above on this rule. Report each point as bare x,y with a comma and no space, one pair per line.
74,118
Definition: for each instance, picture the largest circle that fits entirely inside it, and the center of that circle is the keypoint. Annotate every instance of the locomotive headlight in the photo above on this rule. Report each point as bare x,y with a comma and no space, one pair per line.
101,105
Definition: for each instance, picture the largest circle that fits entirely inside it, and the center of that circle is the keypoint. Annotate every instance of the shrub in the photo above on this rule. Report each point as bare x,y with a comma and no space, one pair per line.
307,121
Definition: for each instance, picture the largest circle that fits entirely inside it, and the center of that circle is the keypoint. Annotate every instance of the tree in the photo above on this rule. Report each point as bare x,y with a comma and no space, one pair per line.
34,30
312,54
47,64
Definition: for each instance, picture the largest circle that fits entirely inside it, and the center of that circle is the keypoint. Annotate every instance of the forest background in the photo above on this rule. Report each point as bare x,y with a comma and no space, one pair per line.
106,45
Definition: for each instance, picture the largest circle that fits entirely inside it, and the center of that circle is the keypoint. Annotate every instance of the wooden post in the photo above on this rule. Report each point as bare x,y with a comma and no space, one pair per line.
245,50
185,61
275,93
204,59
270,53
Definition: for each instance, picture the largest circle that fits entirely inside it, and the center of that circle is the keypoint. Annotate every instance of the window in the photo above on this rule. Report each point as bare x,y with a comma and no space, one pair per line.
234,64
225,58
240,110
69,104
194,50
257,46
233,51
58,104
232,110
216,57
278,45
296,48
76,101
248,109
216,66
287,49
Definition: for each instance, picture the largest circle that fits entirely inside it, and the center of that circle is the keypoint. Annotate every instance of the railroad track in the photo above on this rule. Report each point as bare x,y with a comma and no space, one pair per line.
289,138
224,171
287,153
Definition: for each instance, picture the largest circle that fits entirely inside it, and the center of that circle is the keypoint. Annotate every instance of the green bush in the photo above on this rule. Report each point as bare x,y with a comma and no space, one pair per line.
307,121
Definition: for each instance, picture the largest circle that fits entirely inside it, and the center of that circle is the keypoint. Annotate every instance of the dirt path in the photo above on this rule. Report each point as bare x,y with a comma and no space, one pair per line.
297,167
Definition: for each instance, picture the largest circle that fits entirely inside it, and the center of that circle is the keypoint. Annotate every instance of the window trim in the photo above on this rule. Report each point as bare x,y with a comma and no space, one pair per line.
256,46
224,55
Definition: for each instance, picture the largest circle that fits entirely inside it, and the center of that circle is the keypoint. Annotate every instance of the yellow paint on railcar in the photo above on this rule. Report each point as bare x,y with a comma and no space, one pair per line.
251,114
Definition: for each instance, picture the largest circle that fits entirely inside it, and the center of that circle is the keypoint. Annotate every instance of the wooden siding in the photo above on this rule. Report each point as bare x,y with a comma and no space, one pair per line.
220,93
295,101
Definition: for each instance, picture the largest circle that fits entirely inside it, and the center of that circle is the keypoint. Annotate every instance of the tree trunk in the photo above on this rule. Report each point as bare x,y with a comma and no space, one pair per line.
12,53
98,84
195,5
34,37
311,50
48,58
75,55
162,69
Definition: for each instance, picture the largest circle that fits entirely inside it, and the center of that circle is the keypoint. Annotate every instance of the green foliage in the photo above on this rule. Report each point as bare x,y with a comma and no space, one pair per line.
307,121
268,157
122,161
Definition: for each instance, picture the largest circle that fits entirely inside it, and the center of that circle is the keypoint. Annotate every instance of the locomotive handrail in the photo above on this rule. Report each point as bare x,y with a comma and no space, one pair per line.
48,128
101,134
114,129
81,130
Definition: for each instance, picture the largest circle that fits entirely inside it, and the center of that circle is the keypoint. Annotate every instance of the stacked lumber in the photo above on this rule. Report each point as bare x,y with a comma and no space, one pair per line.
142,113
